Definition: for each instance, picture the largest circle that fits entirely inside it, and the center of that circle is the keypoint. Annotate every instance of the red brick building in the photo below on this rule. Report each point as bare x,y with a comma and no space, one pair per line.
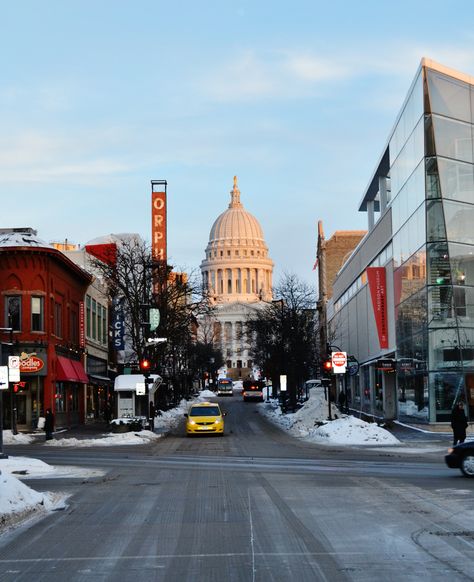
41,299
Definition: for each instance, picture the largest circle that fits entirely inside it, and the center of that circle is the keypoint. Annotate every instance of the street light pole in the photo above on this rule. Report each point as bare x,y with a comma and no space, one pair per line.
9,330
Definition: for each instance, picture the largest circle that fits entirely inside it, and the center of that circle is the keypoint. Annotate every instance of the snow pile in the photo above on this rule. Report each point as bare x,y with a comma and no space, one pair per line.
17,439
18,501
310,422
352,431
129,438
206,394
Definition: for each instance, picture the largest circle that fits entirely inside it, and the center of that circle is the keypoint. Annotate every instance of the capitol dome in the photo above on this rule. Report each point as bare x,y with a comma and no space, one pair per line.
237,266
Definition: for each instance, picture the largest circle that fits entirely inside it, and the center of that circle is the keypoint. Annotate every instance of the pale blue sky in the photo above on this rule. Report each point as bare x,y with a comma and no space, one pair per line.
297,99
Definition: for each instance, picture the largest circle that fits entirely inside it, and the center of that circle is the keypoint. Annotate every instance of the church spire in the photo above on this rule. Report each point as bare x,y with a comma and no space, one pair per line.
235,196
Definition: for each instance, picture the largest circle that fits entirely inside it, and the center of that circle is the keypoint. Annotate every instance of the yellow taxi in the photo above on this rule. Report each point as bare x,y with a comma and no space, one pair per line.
205,418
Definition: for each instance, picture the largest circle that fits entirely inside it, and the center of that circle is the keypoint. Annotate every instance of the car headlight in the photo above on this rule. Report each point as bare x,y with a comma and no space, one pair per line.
217,421
191,422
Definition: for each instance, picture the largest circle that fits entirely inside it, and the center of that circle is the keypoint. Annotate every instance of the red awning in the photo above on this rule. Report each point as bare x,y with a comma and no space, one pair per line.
70,371
80,372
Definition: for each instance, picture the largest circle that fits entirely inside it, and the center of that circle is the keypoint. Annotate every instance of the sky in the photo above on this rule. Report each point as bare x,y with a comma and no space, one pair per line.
297,99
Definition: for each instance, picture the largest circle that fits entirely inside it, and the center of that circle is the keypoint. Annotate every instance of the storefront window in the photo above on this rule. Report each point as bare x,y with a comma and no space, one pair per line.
60,397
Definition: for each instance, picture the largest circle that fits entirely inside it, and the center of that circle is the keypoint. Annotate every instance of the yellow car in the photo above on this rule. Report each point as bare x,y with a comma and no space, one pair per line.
205,418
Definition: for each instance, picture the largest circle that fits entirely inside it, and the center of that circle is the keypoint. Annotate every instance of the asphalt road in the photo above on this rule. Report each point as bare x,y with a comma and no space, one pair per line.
255,505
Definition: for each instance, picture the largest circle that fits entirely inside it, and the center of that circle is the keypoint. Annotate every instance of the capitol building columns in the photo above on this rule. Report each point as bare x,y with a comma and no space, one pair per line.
237,271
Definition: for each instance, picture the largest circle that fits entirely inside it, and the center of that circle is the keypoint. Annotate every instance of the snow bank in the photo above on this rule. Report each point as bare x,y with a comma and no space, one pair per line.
310,422
17,439
128,438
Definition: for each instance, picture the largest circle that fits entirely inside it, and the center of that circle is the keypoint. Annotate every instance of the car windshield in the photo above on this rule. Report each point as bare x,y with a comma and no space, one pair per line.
205,411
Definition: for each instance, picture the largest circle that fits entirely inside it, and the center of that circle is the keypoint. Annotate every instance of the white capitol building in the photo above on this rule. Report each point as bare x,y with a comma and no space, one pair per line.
237,273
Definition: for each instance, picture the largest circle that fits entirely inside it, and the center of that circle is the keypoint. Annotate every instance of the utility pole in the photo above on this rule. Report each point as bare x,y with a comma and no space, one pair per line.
8,330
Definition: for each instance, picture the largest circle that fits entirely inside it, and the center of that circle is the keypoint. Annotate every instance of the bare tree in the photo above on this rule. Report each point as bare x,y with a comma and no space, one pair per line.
283,334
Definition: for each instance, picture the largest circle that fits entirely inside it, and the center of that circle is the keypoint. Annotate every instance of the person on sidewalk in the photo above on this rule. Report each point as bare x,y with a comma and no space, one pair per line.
341,400
152,416
49,424
458,423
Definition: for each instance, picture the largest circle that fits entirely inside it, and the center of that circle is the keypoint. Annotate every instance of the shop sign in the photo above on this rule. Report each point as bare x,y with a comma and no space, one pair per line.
31,364
3,377
378,293
118,327
388,365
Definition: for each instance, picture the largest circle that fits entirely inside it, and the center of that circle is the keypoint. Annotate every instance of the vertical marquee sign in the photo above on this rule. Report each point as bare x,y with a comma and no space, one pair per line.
159,245
158,220
378,293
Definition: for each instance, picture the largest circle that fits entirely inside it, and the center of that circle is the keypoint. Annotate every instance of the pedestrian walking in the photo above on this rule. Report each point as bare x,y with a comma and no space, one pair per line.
107,413
49,424
152,416
458,423
341,400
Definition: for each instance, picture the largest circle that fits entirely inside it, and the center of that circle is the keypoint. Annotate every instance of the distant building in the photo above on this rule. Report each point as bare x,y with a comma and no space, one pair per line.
331,255
237,274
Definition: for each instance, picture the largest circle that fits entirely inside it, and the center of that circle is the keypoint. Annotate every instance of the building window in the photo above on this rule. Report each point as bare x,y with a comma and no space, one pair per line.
88,316
94,319
58,320
13,312
104,325
37,314
228,253
74,328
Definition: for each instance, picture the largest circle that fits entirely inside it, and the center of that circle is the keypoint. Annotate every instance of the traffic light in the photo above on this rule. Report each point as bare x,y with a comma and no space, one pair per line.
19,386
145,367
326,367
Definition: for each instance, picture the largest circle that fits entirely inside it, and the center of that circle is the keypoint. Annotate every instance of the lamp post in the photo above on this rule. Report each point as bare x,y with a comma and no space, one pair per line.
8,330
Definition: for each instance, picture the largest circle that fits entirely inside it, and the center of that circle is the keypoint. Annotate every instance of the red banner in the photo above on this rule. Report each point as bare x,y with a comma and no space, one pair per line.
107,252
82,330
378,292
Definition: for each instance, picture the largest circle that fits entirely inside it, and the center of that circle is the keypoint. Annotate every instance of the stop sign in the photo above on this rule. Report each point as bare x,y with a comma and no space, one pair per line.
339,362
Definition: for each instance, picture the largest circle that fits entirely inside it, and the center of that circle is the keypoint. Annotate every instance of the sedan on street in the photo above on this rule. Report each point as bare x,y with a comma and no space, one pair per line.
462,457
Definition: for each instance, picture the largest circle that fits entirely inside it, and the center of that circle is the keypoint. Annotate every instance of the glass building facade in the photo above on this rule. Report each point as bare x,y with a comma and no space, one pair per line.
429,167
432,190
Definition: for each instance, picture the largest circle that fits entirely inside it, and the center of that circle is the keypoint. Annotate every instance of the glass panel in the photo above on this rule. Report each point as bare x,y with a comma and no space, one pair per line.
410,116
456,180
439,269
459,220
446,388
435,228
453,139
411,277
449,96
411,318
433,186
462,263
410,156
409,198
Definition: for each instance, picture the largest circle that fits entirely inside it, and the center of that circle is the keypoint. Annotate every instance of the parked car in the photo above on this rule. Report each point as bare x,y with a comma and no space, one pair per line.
462,457
205,417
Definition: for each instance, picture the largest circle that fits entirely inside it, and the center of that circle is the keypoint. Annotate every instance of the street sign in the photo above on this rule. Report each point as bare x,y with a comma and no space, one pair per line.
154,318
283,383
14,368
140,388
3,377
339,362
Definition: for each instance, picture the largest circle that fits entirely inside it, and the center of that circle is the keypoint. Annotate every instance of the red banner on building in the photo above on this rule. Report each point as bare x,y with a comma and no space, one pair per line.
82,327
158,226
378,293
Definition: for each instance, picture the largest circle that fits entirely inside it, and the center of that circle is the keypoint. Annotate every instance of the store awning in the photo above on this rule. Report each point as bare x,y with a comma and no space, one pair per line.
96,379
70,371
